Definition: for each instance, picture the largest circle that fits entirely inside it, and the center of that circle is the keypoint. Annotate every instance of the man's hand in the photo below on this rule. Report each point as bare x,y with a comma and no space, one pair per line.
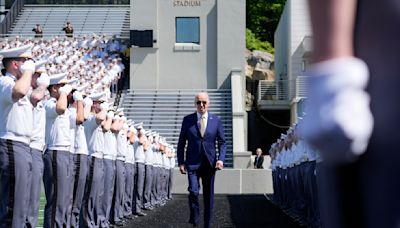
182,168
219,165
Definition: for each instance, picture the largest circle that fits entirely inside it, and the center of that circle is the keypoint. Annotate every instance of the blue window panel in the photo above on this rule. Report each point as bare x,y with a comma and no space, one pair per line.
188,30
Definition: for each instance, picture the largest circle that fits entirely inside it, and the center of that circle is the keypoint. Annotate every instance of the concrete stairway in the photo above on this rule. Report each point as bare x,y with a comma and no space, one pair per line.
163,111
99,19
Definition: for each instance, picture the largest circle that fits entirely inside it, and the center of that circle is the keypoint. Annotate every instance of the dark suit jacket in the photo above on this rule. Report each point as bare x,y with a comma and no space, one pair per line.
258,163
196,145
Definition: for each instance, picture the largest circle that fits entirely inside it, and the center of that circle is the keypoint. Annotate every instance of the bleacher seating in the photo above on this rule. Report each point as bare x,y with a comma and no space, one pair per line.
163,111
99,19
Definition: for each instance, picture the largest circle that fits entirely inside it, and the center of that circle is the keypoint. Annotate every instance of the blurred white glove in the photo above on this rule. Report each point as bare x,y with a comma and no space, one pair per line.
43,80
77,96
87,102
65,89
123,118
110,115
28,65
338,119
104,106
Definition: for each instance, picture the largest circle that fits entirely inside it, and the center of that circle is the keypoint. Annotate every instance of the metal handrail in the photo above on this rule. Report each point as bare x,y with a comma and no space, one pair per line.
302,85
12,14
283,90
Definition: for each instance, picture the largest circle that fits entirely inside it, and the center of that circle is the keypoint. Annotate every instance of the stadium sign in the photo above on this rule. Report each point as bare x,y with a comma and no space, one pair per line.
187,3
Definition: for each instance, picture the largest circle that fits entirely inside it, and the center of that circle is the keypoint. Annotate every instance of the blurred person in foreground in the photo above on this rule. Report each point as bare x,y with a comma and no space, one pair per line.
353,110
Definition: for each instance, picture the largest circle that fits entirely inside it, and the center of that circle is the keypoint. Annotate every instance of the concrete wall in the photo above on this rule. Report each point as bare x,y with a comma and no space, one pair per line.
291,53
232,181
282,44
169,65
300,27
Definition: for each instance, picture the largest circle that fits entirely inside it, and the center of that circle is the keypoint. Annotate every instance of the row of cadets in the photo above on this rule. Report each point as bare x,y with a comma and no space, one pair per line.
294,177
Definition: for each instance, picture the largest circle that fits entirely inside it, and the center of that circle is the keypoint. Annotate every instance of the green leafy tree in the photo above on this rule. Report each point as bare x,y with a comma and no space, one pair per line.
252,43
262,17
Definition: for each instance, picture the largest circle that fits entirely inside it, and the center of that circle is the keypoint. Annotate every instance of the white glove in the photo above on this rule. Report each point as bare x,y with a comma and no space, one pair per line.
65,89
123,118
77,96
110,115
104,106
87,102
28,65
43,80
338,122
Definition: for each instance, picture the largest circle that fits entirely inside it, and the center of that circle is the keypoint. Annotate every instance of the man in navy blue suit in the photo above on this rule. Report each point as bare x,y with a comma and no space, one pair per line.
201,130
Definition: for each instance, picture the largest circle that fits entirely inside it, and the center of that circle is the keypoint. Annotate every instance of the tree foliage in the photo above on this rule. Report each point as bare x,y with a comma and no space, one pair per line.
252,43
262,17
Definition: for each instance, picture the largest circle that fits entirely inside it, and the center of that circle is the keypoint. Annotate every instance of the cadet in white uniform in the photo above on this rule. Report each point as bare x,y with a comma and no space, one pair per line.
140,171
171,171
40,82
156,167
148,161
79,152
57,169
130,172
110,156
92,215
16,119
119,189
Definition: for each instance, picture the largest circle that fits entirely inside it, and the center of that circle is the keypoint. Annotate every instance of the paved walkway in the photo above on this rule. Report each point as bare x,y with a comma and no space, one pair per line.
247,211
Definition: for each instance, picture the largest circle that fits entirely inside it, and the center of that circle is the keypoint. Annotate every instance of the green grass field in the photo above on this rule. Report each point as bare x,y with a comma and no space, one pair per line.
41,210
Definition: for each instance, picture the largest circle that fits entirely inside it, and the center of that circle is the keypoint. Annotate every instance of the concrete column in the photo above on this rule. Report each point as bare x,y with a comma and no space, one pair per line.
241,156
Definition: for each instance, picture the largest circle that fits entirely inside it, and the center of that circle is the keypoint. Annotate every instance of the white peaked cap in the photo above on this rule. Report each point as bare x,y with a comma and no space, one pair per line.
40,66
59,79
82,87
139,126
119,111
133,129
96,96
18,52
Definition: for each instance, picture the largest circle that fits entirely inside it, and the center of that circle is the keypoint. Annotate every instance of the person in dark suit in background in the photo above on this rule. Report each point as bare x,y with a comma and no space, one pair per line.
259,159
201,130
68,29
